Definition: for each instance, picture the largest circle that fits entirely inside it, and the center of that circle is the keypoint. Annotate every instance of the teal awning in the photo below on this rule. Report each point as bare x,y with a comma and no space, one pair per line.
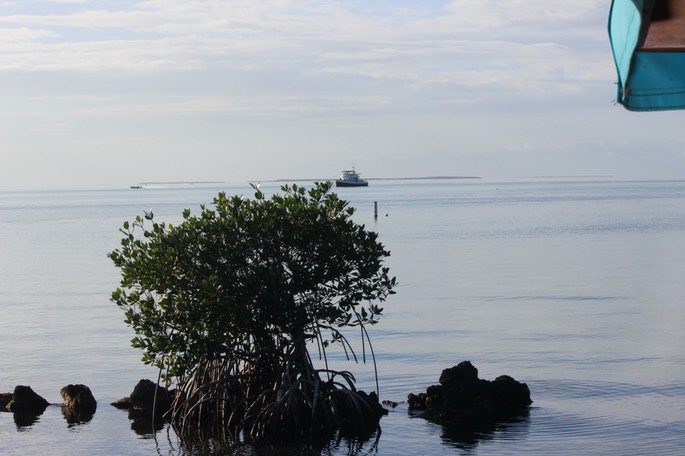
649,53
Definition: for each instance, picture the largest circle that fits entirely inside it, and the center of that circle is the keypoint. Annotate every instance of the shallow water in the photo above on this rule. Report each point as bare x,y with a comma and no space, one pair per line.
575,288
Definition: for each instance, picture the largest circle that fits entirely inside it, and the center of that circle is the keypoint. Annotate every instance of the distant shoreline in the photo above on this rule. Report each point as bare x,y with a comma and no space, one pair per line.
579,176
215,182
381,178
410,178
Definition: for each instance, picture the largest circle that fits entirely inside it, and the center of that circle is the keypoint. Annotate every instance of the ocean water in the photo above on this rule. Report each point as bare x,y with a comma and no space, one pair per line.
575,287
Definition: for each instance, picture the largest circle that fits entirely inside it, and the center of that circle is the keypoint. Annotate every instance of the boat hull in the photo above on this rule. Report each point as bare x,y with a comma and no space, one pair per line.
342,183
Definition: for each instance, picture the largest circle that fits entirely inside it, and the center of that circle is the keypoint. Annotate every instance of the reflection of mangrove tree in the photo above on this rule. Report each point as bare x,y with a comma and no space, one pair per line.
227,302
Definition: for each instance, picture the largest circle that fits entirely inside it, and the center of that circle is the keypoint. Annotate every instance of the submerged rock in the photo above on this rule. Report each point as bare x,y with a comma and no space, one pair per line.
124,403
462,398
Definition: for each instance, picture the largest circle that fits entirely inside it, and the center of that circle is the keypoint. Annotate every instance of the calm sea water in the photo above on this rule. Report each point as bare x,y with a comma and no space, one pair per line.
574,287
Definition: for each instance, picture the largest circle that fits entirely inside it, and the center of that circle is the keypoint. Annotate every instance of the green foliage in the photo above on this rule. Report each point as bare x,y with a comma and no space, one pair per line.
234,293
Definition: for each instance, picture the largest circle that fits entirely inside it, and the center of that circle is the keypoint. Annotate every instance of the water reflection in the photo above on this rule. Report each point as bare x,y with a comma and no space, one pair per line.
75,418
335,447
353,447
145,426
467,438
25,421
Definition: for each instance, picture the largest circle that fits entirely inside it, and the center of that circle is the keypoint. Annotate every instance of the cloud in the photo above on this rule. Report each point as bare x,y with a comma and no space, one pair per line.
402,77
463,52
311,31
300,58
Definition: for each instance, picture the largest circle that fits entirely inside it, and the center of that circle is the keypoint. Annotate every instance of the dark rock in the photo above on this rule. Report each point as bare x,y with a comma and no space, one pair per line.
417,401
79,404
510,396
434,396
124,403
461,373
389,403
143,396
26,401
79,399
372,399
5,399
464,399
142,403
144,409
360,423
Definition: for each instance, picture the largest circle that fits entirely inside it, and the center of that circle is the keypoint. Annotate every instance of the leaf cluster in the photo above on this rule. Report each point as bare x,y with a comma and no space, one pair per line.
248,276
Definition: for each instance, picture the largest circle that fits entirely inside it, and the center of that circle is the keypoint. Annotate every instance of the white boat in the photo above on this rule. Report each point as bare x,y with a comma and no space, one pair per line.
350,178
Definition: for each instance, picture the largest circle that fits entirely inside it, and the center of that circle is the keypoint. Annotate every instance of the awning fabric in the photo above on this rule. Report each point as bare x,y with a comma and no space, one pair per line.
650,59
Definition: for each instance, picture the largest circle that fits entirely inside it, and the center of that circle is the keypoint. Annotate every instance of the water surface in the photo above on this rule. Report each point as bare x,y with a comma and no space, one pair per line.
574,287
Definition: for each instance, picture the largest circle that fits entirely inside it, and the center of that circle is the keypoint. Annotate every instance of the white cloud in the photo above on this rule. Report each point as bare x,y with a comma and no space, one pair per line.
12,36
391,77
405,51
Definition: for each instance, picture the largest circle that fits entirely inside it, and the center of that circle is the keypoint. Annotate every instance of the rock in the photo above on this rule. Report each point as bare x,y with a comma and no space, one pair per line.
5,399
79,400
79,404
389,403
356,420
461,373
434,396
147,416
509,394
143,395
417,401
464,399
124,403
26,401
141,402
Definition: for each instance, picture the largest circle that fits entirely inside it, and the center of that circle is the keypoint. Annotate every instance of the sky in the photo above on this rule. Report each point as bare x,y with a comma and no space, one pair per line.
105,94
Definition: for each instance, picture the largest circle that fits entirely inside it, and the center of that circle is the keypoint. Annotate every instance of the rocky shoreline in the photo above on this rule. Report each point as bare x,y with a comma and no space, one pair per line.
460,399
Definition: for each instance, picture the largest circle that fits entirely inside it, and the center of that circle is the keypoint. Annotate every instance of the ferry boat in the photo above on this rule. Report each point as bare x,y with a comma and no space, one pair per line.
350,178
